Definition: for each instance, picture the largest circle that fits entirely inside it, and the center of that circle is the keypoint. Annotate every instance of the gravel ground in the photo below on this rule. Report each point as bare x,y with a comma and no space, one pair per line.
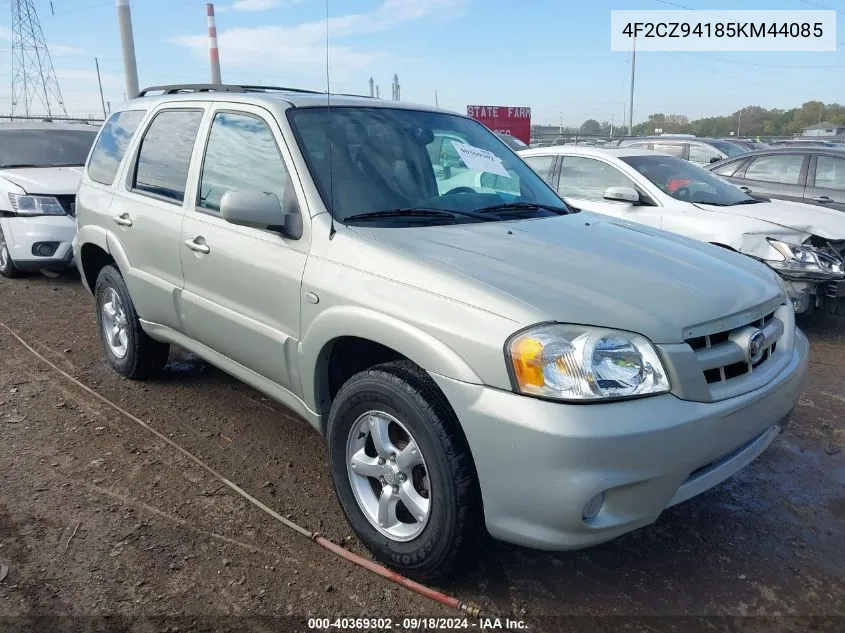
107,526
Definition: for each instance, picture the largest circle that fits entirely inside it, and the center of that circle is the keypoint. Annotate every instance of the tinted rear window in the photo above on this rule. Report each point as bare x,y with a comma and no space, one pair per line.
45,147
112,144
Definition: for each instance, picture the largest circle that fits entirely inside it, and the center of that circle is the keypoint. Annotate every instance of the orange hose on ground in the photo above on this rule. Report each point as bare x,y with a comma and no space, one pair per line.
468,608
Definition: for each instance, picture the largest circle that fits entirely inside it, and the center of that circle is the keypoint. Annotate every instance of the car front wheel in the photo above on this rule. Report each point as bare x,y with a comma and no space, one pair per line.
403,472
7,266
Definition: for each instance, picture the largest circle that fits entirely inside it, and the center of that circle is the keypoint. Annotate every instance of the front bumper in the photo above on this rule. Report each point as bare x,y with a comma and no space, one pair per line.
807,294
540,462
23,233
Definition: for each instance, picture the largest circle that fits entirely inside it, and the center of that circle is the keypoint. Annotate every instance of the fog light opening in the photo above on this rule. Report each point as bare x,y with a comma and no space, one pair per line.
593,507
44,249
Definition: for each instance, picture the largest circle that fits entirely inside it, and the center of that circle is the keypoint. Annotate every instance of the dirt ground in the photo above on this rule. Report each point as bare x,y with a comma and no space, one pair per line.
108,527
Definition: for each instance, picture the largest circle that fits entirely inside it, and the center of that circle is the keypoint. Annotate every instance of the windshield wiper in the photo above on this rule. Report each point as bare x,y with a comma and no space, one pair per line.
416,212
18,166
523,206
749,201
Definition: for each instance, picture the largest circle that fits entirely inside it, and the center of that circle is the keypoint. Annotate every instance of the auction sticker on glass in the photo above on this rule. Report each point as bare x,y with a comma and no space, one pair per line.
717,30
479,159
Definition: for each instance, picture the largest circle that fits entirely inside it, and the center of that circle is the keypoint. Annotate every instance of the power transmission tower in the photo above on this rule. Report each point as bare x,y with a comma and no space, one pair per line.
33,78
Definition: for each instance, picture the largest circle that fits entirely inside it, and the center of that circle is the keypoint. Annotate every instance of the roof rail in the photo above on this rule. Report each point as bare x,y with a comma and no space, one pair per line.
183,88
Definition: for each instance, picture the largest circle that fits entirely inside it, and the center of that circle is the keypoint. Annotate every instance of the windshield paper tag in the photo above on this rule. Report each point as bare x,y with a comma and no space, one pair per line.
480,159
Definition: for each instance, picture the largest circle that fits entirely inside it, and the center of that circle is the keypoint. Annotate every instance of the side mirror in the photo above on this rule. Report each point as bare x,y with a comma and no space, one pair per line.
715,159
255,209
621,194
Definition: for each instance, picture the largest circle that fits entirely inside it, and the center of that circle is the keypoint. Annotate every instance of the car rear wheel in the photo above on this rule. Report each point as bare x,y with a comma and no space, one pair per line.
129,350
7,266
403,472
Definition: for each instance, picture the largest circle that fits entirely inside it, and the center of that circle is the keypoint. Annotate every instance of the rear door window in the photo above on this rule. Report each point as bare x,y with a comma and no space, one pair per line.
830,173
112,144
780,168
165,154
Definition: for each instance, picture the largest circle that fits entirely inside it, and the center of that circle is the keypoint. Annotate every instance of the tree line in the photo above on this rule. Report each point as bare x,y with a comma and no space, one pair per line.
751,121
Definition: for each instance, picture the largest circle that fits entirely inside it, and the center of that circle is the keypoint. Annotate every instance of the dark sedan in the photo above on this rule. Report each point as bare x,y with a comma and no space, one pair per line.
815,175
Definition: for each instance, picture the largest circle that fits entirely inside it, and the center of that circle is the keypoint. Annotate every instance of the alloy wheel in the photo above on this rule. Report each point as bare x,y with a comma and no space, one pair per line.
114,323
388,475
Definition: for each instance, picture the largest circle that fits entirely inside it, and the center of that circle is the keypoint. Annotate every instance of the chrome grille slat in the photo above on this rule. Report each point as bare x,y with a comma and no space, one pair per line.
720,355
723,355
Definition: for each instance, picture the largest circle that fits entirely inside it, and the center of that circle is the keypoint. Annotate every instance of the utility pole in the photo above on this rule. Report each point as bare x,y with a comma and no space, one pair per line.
611,126
372,93
100,82
631,107
739,122
127,43
436,101
33,77
560,131
377,92
213,50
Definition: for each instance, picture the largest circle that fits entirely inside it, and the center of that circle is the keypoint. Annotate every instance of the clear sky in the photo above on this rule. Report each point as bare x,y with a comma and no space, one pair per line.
551,55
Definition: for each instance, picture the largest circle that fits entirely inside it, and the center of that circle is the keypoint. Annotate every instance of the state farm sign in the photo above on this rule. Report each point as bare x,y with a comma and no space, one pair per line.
504,119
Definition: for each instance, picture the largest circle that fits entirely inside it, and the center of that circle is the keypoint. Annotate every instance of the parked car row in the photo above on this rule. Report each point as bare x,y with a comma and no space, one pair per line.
814,175
40,167
699,150
479,353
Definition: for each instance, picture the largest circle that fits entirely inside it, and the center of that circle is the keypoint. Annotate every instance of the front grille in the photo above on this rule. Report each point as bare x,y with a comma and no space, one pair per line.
726,355
68,203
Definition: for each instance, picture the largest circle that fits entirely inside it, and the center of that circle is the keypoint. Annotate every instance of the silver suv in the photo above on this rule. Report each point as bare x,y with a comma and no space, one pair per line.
476,353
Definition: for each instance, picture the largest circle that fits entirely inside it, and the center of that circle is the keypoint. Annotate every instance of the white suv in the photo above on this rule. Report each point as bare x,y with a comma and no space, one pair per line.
40,167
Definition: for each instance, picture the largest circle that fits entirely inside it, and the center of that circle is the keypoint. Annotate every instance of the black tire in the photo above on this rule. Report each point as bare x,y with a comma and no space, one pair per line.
450,541
145,357
8,270
835,307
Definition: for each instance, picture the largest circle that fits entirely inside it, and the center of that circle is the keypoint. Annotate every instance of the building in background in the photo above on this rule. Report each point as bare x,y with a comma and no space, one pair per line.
825,131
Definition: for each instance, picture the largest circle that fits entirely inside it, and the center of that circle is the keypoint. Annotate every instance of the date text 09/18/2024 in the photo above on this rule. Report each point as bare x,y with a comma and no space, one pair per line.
415,623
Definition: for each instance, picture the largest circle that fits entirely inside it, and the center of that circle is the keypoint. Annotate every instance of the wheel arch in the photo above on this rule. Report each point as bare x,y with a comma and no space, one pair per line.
97,249
366,336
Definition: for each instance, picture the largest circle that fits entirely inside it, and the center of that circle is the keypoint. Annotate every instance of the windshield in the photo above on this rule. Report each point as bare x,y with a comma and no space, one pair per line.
391,159
687,182
45,148
731,149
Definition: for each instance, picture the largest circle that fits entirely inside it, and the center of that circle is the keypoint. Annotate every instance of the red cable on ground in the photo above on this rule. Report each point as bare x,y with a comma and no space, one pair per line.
469,608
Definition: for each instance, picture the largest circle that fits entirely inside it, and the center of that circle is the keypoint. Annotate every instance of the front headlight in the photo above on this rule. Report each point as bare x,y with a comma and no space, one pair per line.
35,205
806,262
573,362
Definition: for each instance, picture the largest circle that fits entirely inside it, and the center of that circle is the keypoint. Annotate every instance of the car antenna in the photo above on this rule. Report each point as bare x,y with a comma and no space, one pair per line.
329,117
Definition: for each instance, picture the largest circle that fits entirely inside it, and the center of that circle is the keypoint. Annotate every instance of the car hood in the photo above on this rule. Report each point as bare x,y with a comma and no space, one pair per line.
803,218
45,180
586,268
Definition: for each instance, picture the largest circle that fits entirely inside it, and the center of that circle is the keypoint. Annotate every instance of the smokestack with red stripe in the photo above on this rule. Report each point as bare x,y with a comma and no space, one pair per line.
213,51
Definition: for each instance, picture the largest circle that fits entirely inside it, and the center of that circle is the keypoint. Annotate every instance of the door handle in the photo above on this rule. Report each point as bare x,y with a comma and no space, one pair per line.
746,189
197,247
822,200
123,219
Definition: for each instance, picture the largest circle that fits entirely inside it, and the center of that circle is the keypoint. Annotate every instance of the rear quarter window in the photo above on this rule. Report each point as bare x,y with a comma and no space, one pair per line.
111,145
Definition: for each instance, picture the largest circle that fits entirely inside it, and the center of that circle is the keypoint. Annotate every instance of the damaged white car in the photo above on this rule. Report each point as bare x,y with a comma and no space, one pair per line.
805,244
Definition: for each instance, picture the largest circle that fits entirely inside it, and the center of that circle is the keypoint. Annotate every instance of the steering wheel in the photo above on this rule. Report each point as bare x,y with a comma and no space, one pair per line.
460,190
682,193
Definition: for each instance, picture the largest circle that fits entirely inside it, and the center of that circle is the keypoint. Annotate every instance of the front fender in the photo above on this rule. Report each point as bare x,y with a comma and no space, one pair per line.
420,347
